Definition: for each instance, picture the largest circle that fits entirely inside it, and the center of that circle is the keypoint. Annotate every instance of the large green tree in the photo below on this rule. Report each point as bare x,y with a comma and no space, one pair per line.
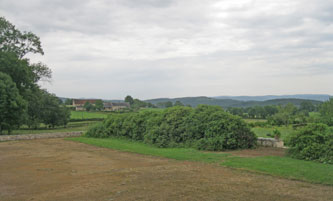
12,105
20,43
285,115
129,99
14,47
326,112
69,101
88,106
53,114
99,105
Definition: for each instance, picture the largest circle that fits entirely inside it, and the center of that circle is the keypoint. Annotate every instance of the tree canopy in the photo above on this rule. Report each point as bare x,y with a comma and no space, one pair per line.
21,76
20,43
12,104
326,111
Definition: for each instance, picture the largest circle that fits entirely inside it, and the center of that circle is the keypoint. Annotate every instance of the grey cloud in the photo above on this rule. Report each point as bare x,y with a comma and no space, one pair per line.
164,48
147,3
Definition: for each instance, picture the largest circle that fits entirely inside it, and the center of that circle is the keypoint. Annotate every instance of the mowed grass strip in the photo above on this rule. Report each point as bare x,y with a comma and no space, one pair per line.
285,167
141,148
278,166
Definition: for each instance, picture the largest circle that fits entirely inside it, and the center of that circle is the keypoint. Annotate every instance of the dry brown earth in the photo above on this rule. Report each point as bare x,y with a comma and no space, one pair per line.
56,169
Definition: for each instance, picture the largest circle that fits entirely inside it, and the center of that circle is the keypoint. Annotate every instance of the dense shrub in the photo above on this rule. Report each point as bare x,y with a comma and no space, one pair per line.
205,127
314,142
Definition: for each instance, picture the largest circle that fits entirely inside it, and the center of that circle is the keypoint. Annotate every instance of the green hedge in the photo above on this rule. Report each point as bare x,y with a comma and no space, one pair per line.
205,127
314,142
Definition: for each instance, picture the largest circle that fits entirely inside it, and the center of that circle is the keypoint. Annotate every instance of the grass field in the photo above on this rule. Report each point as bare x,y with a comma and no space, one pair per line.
71,127
273,165
262,132
85,120
88,115
255,120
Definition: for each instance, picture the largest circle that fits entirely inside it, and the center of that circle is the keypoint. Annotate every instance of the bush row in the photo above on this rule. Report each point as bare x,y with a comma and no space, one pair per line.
205,128
314,142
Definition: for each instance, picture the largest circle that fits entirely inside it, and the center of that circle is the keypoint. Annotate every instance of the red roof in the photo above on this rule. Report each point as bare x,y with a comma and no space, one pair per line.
83,101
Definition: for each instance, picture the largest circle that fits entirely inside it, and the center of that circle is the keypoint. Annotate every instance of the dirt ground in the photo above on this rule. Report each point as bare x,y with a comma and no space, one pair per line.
56,169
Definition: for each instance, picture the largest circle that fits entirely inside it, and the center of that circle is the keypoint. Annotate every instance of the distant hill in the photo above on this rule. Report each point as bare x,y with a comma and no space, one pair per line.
317,97
238,101
225,103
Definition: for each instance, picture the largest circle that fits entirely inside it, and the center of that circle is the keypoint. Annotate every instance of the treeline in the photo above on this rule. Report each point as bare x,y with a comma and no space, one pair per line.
288,114
227,103
22,101
313,140
137,104
205,128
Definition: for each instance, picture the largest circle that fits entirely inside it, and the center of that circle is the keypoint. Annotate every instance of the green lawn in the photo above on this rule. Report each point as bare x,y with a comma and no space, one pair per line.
88,115
141,148
285,167
71,127
262,132
278,166
255,120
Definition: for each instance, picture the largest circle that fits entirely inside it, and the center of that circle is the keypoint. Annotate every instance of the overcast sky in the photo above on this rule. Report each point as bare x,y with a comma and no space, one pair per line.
176,48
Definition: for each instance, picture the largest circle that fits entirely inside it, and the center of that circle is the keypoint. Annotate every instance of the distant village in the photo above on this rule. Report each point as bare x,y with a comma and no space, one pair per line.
100,105
81,104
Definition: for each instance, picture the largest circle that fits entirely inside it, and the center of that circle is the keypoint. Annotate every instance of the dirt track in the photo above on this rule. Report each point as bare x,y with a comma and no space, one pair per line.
55,169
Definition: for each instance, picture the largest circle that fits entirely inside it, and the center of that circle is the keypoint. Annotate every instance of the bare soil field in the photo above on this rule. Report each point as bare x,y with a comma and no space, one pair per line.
56,169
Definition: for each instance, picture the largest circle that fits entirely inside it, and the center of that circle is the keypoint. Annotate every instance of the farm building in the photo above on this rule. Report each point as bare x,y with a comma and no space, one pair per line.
108,106
79,103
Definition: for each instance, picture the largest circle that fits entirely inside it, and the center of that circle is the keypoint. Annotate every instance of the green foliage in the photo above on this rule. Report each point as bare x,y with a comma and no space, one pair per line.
42,106
326,112
99,105
136,104
276,133
314,142
205,127
35,107
307,106
285,116
129,99
69,101
178,103
53,114
164,104
256,112
227,103
18,69
13,40
12,104
88,106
